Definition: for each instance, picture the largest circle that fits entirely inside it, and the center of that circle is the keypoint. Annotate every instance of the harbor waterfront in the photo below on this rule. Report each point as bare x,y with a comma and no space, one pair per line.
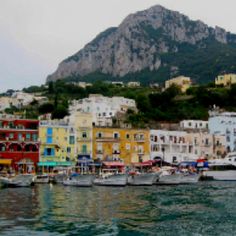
205,208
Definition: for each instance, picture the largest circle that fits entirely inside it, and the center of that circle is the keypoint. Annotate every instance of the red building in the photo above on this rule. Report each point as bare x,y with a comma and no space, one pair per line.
19,146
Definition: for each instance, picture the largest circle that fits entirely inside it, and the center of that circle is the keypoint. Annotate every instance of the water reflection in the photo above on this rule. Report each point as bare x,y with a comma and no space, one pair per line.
202,209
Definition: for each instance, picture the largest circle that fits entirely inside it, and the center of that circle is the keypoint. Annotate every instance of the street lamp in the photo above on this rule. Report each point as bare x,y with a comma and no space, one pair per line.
163,154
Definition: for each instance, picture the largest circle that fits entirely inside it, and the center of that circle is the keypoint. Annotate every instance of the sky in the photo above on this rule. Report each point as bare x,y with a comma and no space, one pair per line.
36,35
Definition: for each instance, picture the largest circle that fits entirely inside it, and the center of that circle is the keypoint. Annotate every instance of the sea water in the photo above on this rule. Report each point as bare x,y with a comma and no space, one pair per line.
206,208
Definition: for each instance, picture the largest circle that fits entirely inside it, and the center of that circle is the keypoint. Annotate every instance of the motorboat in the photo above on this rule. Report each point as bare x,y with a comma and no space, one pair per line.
222,169
42,179
59,178
137,178
169,176
189,177
79,180
111,179
143,173
21,180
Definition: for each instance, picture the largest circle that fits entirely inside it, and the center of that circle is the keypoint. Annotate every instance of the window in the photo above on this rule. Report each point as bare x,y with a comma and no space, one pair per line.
11,136
104,113
127,136
84,134
99,135
49,152
49,131
72,140
68,149
35,137
116,135
127,146
0,124
27,137
84,149
19,137
49,139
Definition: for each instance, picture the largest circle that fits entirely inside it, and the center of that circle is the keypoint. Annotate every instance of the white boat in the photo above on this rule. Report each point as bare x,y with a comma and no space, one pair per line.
143,178
22,180
42,179
169,176
189,178
111,179
59,178
222,169
78,180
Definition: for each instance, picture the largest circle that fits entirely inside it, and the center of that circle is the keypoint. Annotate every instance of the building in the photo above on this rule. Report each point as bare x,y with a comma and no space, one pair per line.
178,146
57,139
224,123
181,81
19,145
103,109
133,84
127,145
225,80
82,122
194,125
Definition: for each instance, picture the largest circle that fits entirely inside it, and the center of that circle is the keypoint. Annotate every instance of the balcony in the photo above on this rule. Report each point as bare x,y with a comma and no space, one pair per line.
99,152
116,152
139,140
107,139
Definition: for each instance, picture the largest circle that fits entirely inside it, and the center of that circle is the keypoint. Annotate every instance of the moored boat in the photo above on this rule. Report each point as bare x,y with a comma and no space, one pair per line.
169,176
111,180
79,180
222,169
42,179
22,180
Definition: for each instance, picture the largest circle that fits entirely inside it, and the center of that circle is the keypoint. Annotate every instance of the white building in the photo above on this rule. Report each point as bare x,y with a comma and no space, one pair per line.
194,125
133,84
224,123
102,108
177,146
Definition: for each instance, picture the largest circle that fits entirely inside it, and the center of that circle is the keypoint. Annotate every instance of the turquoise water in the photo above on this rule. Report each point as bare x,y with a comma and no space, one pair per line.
207,208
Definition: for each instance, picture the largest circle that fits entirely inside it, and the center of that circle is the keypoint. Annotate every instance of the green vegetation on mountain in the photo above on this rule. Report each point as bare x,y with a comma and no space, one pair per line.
154,105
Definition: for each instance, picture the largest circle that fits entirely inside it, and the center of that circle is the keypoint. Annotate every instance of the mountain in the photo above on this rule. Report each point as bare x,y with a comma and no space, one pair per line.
153,45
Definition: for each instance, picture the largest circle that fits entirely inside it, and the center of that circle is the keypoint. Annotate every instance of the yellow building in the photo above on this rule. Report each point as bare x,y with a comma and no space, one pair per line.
183,82
57,143
226,79
82,121
128,145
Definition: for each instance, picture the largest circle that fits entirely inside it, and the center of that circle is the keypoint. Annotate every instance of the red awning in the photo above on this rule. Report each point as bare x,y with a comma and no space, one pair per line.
113,164
145,163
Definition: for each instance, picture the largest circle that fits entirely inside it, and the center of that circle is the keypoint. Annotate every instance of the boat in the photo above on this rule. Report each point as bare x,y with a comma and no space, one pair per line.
190,171
21,180
137,178
111,179
169,176
79,180
223,169
189,178
111,174
143,174
42,179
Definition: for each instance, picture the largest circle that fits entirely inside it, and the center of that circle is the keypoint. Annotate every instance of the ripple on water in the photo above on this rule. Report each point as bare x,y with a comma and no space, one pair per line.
207,208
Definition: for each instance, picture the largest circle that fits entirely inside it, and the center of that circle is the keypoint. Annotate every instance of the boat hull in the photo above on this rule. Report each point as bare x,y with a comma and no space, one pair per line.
80,181
169,179
18,181
42,179
113,180
189,178
226,175
142,179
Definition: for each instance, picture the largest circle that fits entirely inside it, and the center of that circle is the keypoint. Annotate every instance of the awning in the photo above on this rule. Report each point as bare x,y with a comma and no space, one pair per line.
145,163
5,161
113,164
54,163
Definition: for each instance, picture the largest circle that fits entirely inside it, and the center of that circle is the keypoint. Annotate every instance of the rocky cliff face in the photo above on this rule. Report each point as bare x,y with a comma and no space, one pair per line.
138,43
